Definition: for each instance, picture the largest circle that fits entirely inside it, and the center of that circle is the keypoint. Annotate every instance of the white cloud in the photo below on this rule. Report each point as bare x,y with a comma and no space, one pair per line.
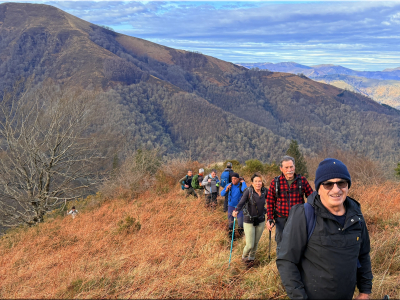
317,32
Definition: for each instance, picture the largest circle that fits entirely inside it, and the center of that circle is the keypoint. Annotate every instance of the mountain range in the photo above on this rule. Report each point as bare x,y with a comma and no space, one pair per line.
382,86
185,101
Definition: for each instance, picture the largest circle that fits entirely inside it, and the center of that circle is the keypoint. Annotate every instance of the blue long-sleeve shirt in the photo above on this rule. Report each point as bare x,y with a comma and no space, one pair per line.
234,193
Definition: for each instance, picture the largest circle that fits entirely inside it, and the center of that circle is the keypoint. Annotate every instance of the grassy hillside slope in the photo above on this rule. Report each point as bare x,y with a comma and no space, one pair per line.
180,250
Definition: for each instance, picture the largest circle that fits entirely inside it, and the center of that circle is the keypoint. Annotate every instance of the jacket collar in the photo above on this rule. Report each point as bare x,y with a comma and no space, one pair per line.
294,178
352,206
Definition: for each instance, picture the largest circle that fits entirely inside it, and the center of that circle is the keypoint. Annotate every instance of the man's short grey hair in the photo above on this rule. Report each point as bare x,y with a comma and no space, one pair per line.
213,170
201,171
286,158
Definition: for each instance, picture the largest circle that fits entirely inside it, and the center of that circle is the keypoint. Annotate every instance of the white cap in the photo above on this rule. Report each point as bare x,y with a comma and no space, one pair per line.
201,171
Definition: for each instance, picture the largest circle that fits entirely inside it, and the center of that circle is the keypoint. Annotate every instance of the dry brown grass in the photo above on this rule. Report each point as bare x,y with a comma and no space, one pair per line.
180,250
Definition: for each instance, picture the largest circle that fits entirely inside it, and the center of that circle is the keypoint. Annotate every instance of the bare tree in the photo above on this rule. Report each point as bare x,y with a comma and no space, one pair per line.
48,151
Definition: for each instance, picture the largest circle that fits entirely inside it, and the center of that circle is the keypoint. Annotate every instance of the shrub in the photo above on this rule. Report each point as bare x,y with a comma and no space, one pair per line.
272,169
128,225
254,165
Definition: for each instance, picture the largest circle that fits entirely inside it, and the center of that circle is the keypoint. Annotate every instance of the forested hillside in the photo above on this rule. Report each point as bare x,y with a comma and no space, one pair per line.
180,100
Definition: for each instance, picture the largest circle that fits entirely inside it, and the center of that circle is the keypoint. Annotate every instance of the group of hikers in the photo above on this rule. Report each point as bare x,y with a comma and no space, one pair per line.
323,244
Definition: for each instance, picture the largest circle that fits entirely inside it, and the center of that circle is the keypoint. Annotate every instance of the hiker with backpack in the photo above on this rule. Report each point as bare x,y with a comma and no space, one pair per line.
325,245
285,191
226,178
253,205
211,188
197,183
186,184
234,191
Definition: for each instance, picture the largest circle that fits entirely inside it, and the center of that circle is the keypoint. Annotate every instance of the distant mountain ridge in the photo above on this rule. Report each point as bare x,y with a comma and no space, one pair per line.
324,69
382,86
186,101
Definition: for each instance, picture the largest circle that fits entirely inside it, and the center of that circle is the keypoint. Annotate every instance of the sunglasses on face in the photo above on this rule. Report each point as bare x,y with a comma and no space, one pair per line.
328,185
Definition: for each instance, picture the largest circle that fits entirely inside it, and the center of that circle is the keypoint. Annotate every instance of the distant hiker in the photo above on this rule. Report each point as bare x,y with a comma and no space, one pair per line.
226,178
186,183
325,246
211,186
286,190
197,182
234,191
253,206
73,212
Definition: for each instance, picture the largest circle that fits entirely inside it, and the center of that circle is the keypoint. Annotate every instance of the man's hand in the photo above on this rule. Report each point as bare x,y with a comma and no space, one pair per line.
362,296
228,187
234,213
270,225
186,186
209,180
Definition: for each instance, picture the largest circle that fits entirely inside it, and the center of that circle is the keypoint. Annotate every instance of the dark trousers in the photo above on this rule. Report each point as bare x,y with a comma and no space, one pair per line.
226,203
211,200
279,226
190,191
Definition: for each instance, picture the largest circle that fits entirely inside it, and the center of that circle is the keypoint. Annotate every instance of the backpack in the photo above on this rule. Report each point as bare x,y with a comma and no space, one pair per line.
311,220
183,186
195,182
224,178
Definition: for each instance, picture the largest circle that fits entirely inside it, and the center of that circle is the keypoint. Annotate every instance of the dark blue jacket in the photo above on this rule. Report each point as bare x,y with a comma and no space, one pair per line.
235,193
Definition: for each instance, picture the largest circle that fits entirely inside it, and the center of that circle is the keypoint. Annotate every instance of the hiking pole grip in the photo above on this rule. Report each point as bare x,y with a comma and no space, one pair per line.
233,234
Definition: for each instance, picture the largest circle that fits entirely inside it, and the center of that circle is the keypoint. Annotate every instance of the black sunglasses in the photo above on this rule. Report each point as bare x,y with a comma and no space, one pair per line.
328,185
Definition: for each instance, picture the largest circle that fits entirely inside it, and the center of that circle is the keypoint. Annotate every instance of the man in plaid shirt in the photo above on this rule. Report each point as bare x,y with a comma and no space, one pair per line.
278,206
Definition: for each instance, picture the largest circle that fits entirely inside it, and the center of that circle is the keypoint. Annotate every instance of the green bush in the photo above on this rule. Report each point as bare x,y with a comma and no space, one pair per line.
254,165
398,170
128,225
272,169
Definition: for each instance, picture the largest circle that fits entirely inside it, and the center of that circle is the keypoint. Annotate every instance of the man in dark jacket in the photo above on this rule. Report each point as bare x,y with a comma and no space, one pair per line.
335,258
292,188
186,182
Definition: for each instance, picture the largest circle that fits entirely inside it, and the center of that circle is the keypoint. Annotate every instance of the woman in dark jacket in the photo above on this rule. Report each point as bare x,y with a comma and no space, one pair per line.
253,205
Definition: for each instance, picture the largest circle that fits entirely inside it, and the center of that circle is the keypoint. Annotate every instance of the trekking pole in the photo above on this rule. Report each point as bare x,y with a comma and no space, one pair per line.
269,246
269,250
233,234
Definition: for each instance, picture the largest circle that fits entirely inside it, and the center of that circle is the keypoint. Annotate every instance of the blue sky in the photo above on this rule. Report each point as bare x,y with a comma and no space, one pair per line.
362,35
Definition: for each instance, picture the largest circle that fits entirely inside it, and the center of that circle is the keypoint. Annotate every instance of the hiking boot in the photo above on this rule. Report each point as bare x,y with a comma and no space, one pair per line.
250,263
240,232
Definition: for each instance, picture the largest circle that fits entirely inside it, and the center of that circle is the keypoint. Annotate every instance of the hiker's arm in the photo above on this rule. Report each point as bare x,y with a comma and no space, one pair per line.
205,182
271,201
293,244
364,273
181,181
307,188
242,201
223,193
